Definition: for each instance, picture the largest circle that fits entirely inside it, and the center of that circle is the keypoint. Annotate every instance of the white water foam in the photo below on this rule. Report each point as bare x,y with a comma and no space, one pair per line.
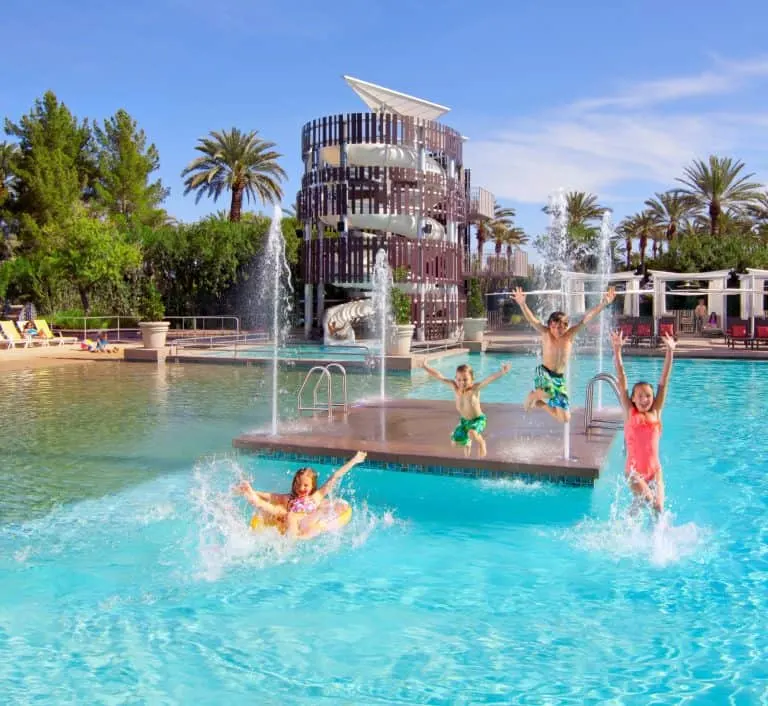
225,541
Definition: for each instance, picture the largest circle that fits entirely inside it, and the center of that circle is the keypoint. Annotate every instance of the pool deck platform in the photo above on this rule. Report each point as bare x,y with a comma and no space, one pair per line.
414,435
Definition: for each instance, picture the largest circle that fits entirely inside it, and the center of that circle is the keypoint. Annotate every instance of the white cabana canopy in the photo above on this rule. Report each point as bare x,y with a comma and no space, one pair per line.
753,295
717,281
574,284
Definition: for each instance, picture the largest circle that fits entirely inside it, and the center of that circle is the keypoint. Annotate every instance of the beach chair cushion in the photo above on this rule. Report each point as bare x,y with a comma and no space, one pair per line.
762,331
644,330
627,330
739,331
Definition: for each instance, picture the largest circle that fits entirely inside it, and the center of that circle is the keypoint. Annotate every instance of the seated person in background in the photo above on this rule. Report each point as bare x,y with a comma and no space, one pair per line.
102,345
700,315
30,330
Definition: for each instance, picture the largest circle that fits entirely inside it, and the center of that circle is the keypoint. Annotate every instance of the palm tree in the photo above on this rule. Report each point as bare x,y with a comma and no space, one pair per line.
8,154
515,238
489,228
641,226
240,162
669,210
718,184
582,208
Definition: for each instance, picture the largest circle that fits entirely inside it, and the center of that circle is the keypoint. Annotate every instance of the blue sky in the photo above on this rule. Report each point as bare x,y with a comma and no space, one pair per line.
586,96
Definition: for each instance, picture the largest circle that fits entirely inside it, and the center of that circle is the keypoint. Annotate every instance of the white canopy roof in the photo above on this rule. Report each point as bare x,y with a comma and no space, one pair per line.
660,275
385,100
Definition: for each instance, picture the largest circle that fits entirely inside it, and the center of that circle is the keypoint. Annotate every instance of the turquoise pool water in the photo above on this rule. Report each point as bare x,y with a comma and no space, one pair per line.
311,352
128,576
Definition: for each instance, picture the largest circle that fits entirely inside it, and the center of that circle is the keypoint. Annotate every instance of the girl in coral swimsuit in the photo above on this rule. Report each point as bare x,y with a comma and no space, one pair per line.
642,427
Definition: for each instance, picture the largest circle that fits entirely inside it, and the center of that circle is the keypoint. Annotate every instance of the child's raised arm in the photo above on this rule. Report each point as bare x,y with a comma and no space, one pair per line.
245,489
519,296
437,375
617,341
607,298
339,473
505,368
661,392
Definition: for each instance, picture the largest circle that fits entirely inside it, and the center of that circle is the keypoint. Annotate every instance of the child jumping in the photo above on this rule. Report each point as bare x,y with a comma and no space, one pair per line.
467,392
549,391
642,427
304,505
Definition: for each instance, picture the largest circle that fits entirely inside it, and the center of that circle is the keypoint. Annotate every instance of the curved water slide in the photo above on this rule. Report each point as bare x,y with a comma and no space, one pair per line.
375,155
341,318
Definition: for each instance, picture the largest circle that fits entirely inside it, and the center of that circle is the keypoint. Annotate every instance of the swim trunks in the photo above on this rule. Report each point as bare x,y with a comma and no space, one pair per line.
553,385
460,434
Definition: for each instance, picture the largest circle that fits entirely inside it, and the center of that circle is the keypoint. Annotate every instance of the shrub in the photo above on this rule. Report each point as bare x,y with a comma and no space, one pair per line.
475,303
401,307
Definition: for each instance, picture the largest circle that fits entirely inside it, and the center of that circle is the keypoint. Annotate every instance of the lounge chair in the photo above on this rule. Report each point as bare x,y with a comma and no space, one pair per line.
13,336
627,327
738,332
644,333
45,330
761,333
667,326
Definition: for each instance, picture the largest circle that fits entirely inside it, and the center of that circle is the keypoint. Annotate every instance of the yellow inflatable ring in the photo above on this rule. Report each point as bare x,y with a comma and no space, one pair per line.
333,519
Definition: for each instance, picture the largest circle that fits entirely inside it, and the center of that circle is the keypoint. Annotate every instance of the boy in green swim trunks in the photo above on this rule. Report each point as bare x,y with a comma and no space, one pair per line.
557,336
467,392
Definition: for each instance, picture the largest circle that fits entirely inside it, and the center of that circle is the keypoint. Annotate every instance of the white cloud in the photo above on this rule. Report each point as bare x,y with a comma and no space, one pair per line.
600,144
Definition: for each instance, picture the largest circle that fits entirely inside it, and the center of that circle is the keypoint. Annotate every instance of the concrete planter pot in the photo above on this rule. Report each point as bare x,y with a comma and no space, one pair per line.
400,338
473,329
153,333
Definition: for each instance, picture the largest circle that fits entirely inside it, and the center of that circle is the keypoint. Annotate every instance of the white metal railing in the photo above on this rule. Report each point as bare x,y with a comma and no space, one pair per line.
129,324
590,421
325,374
222,340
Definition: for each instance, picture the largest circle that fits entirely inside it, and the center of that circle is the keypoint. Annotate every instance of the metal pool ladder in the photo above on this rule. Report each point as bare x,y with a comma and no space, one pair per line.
590,422
324,374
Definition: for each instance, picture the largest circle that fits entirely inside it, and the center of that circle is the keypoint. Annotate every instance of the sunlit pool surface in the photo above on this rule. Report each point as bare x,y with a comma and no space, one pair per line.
129,577
295,352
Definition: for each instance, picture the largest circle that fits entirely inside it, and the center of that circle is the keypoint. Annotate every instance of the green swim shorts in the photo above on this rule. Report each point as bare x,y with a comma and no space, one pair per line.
460,434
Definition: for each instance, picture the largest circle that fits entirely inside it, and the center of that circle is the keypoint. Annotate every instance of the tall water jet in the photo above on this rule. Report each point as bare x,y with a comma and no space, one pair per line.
554,272
382,287
276,297
604,268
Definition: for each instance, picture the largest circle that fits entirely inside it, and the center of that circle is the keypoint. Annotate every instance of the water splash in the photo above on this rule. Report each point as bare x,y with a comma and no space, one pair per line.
604,268
276,296
382,288
225,541
554,272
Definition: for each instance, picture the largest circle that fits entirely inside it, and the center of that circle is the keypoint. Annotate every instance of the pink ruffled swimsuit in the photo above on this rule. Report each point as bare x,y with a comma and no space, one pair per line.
642,437
302,505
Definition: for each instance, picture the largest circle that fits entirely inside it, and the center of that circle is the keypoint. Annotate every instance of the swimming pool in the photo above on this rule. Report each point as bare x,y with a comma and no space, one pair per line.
292,352
142,586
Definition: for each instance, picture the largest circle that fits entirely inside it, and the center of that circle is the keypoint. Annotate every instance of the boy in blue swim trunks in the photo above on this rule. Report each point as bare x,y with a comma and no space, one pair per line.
467,392
557,336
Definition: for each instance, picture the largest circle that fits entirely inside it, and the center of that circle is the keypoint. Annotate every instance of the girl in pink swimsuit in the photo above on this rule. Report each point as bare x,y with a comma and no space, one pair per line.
299,508
642,427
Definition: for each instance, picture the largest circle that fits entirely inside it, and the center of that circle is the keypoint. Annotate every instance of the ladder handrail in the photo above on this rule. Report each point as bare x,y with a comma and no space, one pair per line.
613,383
325,374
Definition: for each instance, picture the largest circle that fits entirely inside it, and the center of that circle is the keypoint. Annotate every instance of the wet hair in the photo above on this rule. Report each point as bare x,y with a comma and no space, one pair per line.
464,368
556,317
301,472
640,383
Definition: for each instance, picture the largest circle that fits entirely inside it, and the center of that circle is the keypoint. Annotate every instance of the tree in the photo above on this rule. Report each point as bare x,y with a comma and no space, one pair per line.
8,155
718,184
642,227
240,162
89,251
125,164
669,210
55,166
582,209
